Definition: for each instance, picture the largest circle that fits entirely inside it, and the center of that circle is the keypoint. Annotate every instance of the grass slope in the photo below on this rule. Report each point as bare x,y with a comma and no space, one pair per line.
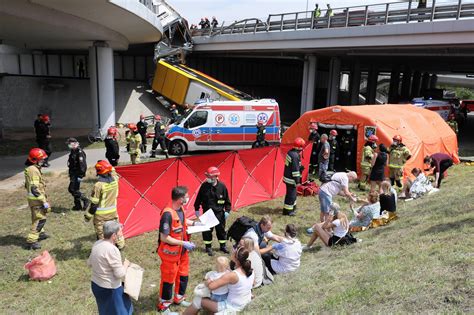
421,263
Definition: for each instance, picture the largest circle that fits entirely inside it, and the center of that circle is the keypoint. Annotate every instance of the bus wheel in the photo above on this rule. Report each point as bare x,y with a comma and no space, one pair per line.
177,147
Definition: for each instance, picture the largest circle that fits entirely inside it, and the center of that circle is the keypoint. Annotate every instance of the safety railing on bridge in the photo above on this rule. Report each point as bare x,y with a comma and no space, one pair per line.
366,15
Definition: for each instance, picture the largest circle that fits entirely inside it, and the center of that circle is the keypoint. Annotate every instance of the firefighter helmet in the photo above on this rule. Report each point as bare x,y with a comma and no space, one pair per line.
212,171
397,138
260,122
333,133
103,167
373,138
36,155
132,127
45,118
112,131
299,143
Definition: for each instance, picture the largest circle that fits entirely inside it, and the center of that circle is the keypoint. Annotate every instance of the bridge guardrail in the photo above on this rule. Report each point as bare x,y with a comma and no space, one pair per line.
367,15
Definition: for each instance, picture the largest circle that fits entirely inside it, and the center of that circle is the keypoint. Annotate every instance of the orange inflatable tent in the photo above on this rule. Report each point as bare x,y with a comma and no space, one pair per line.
423,131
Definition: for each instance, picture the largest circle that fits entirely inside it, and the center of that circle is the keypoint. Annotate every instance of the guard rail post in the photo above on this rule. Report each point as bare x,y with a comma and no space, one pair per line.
433,6
281,22
409,11
458,14
347,17
366,15
386,12
296,21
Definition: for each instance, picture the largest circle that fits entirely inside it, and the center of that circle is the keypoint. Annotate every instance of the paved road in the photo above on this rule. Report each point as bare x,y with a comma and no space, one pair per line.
11,167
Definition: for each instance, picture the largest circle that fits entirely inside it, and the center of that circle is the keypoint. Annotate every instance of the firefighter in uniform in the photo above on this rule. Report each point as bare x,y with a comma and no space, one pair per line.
37,199
261,132
367,155
77,170
292,176
104,200
453,123
160,138
334,150
142,126
174,113
173,248
213,195
398,155
134,139
112,152
347,149
43,136
314,137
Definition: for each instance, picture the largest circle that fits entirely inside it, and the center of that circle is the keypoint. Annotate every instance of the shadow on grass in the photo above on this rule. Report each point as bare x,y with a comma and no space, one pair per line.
80,250
14,240
23,278
261,211
382,229
448,226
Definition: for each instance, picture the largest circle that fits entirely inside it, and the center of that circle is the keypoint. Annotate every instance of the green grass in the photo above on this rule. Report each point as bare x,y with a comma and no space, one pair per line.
421,263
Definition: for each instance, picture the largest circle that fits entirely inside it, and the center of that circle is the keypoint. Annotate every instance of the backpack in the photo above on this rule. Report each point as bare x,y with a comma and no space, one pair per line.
326,177
240,227
308,188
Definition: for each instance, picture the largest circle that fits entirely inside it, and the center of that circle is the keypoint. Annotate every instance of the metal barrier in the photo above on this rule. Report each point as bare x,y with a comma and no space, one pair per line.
367,15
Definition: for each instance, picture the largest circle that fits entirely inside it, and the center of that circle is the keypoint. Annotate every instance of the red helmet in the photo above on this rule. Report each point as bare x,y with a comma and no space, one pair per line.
103,167
333,132
397,138
212,171
36,155
260,122
299,143
157,117
112,131
132,127
142,116
373,138
45,118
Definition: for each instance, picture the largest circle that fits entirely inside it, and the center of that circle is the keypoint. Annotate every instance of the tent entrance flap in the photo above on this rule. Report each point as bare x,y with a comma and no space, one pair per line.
347,145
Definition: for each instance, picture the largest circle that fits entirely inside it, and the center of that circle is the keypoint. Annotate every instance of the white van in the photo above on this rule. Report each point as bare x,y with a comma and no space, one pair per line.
224,125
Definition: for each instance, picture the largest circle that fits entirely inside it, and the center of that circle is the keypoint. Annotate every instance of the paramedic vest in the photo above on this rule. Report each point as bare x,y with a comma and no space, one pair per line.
178,231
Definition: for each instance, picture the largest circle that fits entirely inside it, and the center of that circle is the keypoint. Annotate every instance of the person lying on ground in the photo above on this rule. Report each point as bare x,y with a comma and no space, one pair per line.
262,233
368,211
284,257
332,230
222,268
388,197
239,282
419,186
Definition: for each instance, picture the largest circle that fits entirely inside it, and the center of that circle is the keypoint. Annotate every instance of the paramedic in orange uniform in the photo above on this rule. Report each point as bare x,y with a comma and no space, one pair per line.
173,248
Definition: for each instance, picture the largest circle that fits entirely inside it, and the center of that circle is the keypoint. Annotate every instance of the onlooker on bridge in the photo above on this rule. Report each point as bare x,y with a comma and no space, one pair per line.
214,22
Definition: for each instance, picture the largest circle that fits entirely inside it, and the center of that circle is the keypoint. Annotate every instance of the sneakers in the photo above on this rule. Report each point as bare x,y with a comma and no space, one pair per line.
182,303
33,246
306,247
309,231
209,251
289,212
43,236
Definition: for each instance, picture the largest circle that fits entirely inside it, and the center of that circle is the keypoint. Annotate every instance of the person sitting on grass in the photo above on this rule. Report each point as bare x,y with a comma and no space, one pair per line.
255,259
222,268
419,186
239,282
332,230
388,198
285,255
364,214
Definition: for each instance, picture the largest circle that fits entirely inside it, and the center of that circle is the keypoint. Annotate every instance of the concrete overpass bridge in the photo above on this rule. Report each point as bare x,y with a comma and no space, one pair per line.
317,61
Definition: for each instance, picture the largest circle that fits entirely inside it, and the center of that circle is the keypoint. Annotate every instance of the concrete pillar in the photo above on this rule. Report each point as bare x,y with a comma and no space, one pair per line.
425,82
372,81
308,86
393,94
101,70
415,84
406,85
333,81
433,81
354,86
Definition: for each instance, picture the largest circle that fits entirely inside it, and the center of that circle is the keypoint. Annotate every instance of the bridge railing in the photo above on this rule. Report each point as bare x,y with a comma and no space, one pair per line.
366,15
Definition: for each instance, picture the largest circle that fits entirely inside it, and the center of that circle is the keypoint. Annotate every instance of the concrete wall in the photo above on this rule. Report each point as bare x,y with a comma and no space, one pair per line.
67,101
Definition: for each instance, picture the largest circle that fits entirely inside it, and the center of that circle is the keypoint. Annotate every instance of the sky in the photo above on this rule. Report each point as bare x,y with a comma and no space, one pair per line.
231,10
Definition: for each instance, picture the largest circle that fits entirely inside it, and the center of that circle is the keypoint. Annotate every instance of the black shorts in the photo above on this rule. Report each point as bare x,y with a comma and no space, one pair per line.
333,240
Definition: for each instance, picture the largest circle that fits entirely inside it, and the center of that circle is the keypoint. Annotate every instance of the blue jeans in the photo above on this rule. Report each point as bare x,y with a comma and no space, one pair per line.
112,301
323,167
325,201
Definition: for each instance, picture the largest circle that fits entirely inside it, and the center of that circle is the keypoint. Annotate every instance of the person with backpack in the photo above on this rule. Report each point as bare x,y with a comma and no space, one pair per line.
292,176
338,184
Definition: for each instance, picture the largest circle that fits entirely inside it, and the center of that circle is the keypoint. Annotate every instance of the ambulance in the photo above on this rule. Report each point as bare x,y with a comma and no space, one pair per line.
224,125
442,107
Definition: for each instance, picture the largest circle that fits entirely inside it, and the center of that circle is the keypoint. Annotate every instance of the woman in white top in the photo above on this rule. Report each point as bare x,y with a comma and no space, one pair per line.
255,259
286,254
108,272
332,230
239,282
